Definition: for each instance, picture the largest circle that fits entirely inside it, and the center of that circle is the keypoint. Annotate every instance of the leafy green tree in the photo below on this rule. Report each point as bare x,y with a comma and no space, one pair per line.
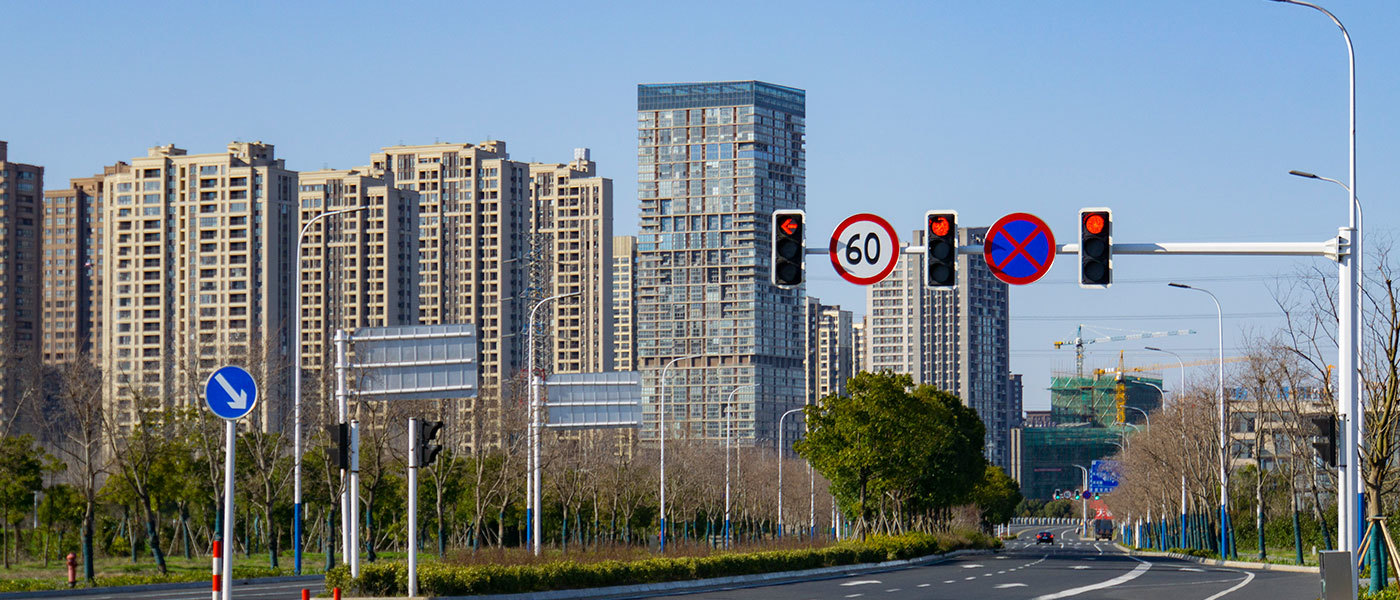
997,495
21,475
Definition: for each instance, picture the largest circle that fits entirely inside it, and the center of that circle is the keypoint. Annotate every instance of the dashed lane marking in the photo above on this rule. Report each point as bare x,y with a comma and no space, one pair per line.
861,582
924,585
1002,586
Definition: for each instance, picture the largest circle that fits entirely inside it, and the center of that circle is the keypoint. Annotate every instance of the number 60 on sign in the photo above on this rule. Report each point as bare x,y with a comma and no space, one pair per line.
864,249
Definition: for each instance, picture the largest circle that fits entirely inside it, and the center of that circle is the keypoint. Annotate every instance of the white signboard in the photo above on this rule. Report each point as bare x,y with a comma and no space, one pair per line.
864,249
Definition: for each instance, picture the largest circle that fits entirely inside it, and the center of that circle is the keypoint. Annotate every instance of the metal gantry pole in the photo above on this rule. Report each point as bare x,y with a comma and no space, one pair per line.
230,430
354,556
781,456
296,385
342,417
413,459
661,436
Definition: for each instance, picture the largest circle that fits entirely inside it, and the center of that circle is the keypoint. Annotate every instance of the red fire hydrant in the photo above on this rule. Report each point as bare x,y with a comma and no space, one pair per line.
72,570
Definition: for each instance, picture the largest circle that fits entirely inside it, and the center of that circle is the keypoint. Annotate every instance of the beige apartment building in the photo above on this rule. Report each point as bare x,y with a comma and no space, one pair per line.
474,206
624,265
21,214
196,276
572,223
72,240
359,269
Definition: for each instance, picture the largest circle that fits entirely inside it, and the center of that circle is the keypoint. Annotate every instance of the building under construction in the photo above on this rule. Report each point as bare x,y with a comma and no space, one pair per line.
1090,415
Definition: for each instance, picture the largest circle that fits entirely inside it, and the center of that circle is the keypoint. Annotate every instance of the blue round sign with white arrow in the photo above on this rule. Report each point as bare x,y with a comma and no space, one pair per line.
231,392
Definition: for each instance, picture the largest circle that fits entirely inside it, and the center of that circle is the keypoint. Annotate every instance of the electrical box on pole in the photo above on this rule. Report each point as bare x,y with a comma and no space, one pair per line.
1326,442
941,249
1095,247
340,435
789,248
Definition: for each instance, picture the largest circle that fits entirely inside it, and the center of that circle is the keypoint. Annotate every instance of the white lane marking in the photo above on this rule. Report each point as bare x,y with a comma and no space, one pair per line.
1001,558
971,566
891,590
1002,586
926,584
854,595
986,574
1248,577
1191,570
969,578
861,582
1081,567
950,581
1137,571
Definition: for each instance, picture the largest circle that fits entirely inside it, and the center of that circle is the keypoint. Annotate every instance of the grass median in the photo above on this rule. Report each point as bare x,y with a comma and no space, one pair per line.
465,575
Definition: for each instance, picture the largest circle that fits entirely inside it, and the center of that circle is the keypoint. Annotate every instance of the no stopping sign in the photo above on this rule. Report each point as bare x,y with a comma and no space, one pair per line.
864,249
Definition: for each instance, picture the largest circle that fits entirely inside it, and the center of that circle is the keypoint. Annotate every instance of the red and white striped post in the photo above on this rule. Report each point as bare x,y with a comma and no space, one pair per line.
218,567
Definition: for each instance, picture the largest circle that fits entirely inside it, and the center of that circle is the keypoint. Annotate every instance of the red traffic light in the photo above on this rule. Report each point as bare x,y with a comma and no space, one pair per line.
1093,223
789,226
939,225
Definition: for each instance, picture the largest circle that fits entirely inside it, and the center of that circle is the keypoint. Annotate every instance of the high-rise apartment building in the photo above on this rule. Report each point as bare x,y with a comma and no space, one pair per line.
571,238
714,161
474,210
359,269
834,348
72,242
957,340
624,265
21,281
196,275
859,348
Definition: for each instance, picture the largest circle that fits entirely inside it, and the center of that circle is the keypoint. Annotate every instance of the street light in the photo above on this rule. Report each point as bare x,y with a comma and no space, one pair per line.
1224,416
781,447
532,483
661,433
1178,360
728,439
1348,324
296,384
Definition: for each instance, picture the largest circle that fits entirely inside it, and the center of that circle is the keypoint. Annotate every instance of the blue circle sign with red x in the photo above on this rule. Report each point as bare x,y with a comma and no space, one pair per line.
1019,248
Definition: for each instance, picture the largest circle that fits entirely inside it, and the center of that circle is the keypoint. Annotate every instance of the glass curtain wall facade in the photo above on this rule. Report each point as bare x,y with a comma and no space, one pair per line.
714,161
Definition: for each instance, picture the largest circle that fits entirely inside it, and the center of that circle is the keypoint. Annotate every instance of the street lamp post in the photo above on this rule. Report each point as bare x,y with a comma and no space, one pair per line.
1349,324
296,383
532,512
1084,503
781,448
1224,418
1163,395
728,441
1178,361
661,434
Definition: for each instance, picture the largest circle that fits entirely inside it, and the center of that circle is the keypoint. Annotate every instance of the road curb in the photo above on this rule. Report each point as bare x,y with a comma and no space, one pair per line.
151,587
698,585
1238,564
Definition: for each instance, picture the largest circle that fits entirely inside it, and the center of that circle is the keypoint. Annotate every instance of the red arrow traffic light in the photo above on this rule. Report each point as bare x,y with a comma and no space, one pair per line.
789,226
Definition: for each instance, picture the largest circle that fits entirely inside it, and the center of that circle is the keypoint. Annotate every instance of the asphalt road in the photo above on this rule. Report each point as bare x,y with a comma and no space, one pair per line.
1025,571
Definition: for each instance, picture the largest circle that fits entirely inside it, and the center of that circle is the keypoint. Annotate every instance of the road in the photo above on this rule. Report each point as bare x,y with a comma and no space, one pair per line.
1083,570
287,590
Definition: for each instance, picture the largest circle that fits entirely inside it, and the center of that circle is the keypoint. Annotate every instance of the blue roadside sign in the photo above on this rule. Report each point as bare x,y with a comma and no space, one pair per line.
1103,476
231,392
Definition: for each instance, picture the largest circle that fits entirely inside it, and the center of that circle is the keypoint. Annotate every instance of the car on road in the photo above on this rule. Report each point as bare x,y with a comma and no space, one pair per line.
1044,537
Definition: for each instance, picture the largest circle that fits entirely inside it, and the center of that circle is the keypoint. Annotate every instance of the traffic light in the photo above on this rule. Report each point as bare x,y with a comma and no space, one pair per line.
341,435
427,450
1326,447
941,251
789,247
1095,247
1096,495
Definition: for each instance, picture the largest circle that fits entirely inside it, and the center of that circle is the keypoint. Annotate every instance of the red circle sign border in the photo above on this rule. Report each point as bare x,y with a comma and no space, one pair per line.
835,238
998,228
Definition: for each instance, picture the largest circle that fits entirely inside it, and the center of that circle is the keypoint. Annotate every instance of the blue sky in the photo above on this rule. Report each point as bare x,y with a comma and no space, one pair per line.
1184,117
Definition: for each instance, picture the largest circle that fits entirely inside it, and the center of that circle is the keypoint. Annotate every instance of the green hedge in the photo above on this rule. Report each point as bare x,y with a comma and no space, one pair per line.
40,584
437,579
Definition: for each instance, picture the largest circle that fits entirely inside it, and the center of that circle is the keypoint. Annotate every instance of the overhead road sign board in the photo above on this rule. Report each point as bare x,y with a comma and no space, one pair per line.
594,400
864,249
1103,476
1019,248
415,362
231,392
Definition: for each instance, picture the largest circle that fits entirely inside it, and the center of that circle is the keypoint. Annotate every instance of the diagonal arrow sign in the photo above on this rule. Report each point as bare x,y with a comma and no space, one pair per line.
238,398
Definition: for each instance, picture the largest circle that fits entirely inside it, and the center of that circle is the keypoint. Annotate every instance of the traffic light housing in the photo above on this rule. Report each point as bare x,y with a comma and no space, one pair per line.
1095,247
427,450
1326,445
941,249
340,434
789,248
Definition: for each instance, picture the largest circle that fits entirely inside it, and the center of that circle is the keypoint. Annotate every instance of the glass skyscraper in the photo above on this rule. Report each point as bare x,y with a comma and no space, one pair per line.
714,160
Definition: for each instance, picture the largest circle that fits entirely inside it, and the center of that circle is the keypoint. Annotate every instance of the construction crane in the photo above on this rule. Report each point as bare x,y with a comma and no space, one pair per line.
1079,342
1120,395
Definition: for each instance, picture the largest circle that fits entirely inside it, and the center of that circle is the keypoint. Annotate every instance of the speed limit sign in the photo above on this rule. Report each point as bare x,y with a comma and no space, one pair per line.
864,249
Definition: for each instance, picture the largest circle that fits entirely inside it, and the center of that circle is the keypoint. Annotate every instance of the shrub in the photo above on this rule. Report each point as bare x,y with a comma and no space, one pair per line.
391,578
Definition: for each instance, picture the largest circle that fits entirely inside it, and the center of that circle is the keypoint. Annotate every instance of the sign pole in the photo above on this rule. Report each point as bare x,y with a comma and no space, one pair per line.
342,413
229,431
413,459
354,555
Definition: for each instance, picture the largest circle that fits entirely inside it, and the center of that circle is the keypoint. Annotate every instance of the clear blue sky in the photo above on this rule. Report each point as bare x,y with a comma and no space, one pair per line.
1184,117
